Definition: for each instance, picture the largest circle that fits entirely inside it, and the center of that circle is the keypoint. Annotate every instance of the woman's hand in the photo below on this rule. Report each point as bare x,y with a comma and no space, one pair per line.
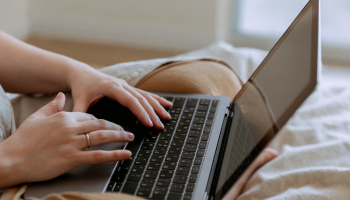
89,85
50,143
265,156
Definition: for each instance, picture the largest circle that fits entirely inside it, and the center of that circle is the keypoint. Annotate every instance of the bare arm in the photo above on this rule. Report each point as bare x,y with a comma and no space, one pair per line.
28,69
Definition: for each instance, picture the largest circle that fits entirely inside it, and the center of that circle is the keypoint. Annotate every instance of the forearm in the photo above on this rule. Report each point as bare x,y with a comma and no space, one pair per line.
27,69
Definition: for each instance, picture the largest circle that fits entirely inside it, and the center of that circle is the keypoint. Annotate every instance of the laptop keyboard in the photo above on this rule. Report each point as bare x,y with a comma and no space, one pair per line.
165,164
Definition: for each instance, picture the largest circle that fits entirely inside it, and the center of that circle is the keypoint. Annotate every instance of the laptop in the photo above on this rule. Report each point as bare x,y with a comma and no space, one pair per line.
209,141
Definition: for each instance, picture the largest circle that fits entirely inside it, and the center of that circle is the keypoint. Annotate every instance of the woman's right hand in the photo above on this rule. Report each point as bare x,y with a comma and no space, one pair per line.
50,143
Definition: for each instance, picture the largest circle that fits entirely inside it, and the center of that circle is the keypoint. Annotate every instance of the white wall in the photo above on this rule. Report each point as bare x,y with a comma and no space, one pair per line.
13,17
160,24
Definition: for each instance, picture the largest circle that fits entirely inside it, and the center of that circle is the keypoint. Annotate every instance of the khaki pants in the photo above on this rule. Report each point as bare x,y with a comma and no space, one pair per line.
199,77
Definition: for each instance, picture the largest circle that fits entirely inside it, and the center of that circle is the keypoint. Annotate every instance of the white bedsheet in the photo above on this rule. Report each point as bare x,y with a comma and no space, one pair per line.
314,147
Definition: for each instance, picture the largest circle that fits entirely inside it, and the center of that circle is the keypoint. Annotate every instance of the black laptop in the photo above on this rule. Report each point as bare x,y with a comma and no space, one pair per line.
209,141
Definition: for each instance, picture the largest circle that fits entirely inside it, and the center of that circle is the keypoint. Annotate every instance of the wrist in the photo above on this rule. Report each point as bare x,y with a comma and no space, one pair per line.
10,173
76,71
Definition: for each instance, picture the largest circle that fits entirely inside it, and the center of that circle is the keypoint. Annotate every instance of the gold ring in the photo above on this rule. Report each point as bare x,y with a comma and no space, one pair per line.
88,139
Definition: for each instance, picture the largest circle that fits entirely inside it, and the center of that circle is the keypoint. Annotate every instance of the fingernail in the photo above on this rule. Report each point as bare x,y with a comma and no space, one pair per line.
131,136
149,121
160,124
127,153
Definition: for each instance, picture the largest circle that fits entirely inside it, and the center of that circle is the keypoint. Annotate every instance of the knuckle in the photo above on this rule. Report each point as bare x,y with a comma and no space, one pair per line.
97,156
102,123
91,116
116,155
123,135
67,129
100,135
132,100
142,99
62,115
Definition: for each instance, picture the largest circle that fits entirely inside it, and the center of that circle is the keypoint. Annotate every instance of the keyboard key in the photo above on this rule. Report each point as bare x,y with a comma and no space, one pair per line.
190,187
197,127
134,177
169,98
144,192
164,182
179,102
204,102
174,196
130,187
141,161
174,115
185,122
138,169
198,161
176,110
160,150
155,197
193,178
200,152
160,191
207,129
194,133
188,155
123,169
182,129
195,169
191,102
172,158
180,136
165,136
183,171
110,186
163,143
147,183
144,153
215,102
169,165
190,147
157,158
185,162
154,166
180,179
177,143
198,120
192,140
128,161
166,173
118,177
189,109
169,129
209,122
175,150
151,138
148,146
178,188
212,109
186,116
202,145
211,116
117,187
151,174
203,108
205,137
172,122
187,196
201,114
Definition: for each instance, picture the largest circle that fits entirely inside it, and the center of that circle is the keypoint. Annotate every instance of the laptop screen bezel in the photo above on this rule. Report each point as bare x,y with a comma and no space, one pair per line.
315,67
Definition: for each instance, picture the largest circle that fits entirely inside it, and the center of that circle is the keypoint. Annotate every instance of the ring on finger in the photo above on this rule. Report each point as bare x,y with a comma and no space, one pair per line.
88,139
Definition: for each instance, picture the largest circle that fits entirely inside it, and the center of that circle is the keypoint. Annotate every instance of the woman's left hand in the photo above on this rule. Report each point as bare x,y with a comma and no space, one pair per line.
89,85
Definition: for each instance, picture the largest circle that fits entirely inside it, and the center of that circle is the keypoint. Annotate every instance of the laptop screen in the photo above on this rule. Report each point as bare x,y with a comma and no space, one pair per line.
277,88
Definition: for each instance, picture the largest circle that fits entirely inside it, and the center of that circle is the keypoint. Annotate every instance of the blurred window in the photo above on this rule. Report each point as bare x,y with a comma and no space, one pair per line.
267,20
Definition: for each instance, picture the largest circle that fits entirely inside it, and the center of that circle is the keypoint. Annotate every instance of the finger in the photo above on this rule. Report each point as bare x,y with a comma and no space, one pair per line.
105,136
94,125
96,157
126,99
146,105
159,109
80,117
165,103
264,157
51,108
80,105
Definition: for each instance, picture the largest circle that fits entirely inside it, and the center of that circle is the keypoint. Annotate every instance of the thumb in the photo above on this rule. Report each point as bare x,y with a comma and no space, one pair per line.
51,108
